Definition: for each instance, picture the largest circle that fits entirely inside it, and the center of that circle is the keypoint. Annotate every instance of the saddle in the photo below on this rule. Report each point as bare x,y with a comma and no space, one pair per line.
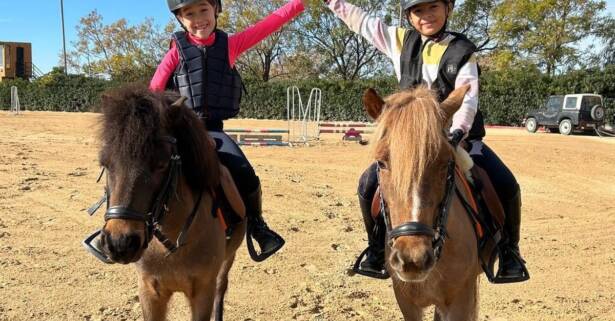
484,209
231,209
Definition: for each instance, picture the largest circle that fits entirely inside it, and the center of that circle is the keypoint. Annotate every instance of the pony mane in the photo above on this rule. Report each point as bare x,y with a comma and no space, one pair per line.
134,120
409,136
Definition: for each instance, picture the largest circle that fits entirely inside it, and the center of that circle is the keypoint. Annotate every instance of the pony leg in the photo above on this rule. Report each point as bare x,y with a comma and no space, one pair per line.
202,301
437,316
222,286
410,311
464,307
154,303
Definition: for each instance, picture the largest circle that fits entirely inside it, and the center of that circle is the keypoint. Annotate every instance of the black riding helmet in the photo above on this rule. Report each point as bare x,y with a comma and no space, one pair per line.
175,5
408,4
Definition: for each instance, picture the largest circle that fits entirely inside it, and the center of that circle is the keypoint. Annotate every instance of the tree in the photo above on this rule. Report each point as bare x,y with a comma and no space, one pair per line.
264,59
337,50
606,33
118,49
544,31
474,19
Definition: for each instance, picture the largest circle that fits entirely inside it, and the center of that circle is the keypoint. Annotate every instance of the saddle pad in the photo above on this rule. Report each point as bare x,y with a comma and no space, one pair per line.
489,195
231,192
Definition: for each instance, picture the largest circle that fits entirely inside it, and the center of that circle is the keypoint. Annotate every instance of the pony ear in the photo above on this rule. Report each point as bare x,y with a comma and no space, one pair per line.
454,101
179,102
373,103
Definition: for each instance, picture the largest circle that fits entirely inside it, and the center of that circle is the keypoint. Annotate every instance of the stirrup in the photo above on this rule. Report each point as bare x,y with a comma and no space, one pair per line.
259,257
498,279
92,245
382,275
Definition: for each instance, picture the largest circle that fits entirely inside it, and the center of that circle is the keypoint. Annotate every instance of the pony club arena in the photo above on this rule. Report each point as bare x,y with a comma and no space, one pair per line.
48,174
303,125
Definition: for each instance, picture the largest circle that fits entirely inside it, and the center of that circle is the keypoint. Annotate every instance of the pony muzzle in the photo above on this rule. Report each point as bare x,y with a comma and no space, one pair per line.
122,248
412,257
122,240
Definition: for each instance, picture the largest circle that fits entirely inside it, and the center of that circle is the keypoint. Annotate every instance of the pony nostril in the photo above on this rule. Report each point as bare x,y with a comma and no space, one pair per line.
428,261
105,242
133,242
398,261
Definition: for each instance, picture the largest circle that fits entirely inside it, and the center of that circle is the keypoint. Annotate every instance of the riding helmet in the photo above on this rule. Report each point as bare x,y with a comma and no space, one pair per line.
407,4
175,5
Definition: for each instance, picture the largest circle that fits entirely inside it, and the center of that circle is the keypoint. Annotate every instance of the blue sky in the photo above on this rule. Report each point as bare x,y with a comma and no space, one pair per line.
38,21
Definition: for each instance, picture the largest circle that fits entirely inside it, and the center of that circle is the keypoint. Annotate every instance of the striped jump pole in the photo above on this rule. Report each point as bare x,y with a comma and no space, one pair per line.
272,143
346,125
258,136
344,131
257,130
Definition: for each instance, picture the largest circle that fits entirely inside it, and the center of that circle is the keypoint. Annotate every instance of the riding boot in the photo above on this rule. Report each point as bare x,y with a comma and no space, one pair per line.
373,265
512,267
268,240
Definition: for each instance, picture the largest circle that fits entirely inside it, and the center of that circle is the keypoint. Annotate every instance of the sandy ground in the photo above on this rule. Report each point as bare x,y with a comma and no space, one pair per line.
48,167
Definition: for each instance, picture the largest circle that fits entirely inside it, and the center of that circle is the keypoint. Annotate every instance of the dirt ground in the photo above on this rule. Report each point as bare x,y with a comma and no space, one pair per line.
48,168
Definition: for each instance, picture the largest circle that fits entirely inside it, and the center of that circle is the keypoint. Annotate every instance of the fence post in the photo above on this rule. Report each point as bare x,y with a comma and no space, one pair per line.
15,106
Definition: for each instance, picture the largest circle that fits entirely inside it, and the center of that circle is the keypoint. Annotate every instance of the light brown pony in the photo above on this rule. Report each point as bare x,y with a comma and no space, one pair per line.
142,132
413,151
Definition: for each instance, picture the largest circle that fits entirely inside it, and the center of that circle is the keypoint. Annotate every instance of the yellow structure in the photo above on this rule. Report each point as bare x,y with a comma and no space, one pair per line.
15,60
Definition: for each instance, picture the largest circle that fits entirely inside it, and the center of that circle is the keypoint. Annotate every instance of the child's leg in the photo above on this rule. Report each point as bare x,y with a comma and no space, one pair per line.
249,187
509,194
373,265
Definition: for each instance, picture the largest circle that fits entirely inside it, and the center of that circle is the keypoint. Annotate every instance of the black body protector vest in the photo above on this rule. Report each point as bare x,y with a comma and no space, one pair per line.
205,77
455,57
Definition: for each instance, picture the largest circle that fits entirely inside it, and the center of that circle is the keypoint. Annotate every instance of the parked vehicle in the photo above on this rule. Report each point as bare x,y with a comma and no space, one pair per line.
579,112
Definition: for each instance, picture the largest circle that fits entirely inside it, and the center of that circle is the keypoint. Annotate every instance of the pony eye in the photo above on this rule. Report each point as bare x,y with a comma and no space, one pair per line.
382,164
159,166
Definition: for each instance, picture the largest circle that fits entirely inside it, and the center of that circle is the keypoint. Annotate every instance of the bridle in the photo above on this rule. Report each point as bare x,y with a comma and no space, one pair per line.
438,231
158,209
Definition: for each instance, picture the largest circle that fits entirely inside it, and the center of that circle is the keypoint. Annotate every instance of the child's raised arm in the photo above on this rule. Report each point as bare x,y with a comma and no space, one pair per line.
242,41
387,39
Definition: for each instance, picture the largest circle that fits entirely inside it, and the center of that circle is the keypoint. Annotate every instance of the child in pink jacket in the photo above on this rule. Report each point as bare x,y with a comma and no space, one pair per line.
201,66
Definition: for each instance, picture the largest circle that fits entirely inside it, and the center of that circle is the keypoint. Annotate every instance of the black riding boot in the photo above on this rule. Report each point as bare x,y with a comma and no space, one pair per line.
512,268
268,240
373,264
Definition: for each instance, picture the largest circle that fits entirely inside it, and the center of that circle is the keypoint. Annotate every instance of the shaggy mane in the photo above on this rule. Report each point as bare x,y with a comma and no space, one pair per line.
134,121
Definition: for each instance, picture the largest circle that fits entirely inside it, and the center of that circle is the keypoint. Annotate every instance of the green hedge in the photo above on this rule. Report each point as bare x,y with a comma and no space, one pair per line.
55,92
505,98
341,100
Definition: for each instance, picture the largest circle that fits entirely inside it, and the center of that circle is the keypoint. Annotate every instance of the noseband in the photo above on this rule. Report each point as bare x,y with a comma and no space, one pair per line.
154,218
438,231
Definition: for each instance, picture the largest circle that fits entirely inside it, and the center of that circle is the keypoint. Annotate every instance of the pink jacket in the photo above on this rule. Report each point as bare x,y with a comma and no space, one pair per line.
237,43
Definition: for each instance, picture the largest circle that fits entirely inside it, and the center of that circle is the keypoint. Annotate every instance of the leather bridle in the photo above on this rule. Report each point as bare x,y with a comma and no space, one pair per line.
438,231
154,218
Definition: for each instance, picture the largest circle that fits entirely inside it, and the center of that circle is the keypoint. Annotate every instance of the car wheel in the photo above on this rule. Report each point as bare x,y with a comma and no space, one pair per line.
565,127
597,113
531,125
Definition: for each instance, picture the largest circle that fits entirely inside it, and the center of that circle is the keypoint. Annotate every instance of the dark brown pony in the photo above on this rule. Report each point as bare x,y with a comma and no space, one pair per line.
415,160
161,172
